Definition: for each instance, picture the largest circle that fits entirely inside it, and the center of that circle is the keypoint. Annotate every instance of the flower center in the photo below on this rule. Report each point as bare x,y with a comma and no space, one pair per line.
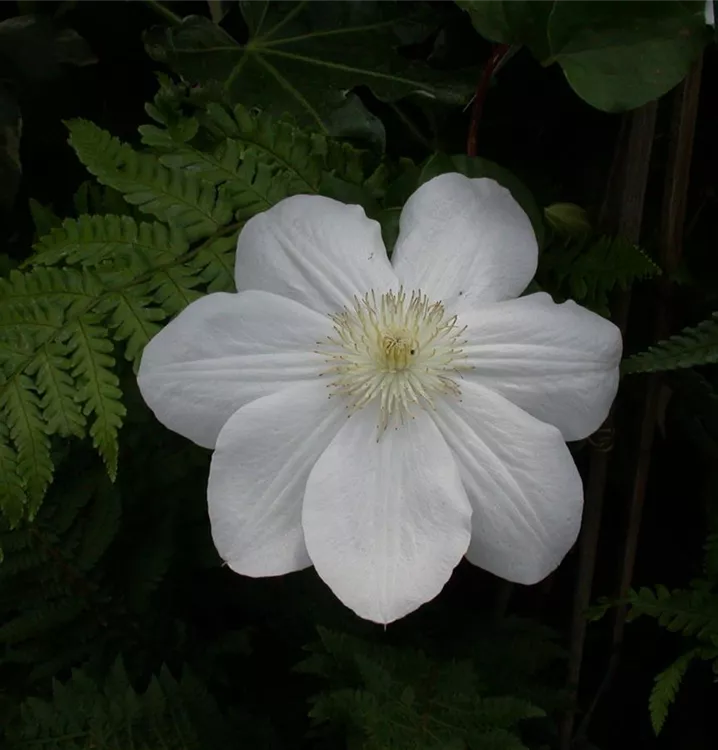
400,350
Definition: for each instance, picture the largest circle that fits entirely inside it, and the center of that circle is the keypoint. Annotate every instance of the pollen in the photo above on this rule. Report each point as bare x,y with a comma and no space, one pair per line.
401,350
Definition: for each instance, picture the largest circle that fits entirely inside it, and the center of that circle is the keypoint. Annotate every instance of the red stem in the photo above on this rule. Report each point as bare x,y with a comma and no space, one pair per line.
482,88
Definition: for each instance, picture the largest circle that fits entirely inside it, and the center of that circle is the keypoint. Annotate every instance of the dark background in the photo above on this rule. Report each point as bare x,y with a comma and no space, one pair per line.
536,126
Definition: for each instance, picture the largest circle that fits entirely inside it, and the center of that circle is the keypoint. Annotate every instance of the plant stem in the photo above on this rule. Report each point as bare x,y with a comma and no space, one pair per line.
172,18
685,109
482,88
626,185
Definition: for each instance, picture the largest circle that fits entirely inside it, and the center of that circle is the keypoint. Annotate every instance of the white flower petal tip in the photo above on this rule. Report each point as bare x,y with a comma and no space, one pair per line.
465,241
223,351
258,474
523,485
314,250
710,13
386,521
558,362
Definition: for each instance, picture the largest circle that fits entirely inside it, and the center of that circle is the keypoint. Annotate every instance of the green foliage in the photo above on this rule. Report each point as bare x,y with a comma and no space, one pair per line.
174,196
387,697
303,59
666,687
692,346
48,581
691,612
33,50
616,56
100,562
110,714
512,22
100,285
587,268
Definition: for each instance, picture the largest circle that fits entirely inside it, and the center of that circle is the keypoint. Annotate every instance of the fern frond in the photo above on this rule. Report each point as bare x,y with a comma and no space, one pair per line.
280,144
401,698
12,493
110,241
42,619
588,270
177,197
43,297
174,287
134,318
48,578
41,391
92,365
51,371
57,326
110,714
665,688
21,409
691,347
691,611
216,263
252,182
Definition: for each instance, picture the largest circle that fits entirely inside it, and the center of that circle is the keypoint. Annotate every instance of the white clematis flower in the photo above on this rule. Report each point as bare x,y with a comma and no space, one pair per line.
381,420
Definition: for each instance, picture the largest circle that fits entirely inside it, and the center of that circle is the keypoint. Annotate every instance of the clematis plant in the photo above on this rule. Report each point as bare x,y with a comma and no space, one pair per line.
381,419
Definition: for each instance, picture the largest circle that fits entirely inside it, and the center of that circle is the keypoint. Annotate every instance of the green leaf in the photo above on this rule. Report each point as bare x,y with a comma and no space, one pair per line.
218,9
110,242
618,56
43,217
93,364
134,318
174,196
588,269
512,22
303,57
12,493
216,261
21,407
689,348
568,219
666,687
50,369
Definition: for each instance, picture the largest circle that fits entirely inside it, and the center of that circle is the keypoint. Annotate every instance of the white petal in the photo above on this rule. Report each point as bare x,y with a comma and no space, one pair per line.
386,521
314,250
523,485
223,351
259,471
464,241
558,362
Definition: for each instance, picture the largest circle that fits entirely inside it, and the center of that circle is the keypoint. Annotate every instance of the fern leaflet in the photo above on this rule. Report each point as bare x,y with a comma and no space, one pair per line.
110,242
177,197
92,362
588,270
50,369
666,687
21,408
12,493
690,347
